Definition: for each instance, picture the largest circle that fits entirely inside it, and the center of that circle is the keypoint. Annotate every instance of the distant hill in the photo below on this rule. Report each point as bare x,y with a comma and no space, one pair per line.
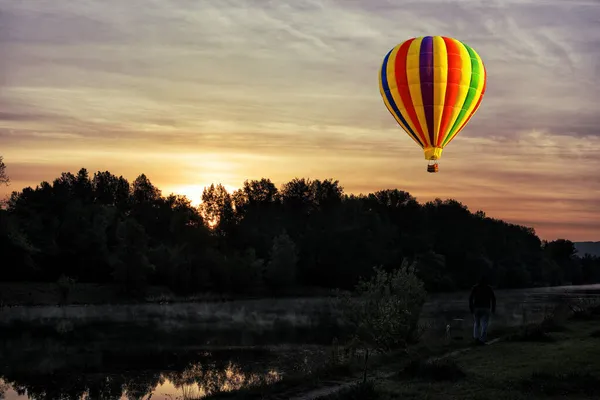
592,248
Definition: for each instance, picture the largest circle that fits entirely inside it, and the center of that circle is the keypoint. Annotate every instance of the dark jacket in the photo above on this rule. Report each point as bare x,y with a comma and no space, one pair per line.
482,296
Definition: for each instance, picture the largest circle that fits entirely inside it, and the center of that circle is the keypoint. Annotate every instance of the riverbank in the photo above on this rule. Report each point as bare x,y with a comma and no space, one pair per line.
50,294
553,359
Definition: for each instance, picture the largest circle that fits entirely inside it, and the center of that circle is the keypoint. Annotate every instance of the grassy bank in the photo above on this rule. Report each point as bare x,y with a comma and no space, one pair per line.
551,360
557,364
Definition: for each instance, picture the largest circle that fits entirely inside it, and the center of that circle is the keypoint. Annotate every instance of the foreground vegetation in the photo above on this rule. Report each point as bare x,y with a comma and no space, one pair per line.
261,240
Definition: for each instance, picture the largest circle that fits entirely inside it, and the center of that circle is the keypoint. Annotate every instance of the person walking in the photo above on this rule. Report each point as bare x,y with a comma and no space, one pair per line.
482,301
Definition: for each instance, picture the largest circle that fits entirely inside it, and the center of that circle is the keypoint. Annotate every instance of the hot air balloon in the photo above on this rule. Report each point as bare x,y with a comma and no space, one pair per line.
432,86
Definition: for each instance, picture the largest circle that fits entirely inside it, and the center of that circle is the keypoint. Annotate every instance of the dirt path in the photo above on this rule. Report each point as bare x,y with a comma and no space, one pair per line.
332,387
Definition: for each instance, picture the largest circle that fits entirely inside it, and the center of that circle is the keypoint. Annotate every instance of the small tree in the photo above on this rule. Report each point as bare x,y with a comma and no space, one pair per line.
384,311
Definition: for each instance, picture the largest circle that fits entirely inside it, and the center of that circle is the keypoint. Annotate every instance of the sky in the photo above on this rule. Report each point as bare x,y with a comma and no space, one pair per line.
217,91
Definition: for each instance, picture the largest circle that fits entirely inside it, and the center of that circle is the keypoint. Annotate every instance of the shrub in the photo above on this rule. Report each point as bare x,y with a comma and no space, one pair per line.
584,308
385,311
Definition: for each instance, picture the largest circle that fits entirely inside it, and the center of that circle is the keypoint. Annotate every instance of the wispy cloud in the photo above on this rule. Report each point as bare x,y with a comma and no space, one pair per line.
225,90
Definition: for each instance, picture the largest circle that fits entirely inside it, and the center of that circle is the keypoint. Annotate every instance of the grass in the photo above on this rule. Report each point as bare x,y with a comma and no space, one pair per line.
561,384
358,391
433,370
531,333
567,365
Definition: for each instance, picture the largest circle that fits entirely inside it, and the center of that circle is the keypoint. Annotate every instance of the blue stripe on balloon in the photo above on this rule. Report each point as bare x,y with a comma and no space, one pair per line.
390,98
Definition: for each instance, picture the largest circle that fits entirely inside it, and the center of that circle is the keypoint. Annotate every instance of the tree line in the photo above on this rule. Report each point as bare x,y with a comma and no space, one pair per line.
265,240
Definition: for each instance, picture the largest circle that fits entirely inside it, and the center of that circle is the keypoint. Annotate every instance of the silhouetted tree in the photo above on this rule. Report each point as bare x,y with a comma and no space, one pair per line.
281,268
217,209
563,253
130,263
4,179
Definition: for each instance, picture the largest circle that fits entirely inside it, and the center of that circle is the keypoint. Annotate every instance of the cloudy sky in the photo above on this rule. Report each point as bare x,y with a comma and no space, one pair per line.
194,92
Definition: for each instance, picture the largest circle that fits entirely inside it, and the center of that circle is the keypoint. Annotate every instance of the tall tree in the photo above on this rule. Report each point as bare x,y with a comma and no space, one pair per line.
4,179
217,209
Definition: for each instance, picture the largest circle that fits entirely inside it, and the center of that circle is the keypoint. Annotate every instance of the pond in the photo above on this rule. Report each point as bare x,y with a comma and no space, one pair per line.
190,351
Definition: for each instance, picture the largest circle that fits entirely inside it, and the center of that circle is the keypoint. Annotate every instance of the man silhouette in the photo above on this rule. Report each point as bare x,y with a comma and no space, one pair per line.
481,301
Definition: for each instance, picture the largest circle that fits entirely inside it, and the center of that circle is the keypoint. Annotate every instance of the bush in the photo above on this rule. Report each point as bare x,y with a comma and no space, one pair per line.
539,332
384,314
584,309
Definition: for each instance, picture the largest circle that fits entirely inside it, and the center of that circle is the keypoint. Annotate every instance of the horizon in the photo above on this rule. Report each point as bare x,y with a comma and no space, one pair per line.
194,94
197,200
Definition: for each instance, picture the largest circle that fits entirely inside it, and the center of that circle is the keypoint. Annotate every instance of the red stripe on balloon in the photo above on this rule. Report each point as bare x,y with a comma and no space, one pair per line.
404,90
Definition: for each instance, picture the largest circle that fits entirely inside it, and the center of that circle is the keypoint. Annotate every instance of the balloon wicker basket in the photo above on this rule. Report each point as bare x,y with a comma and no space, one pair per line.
432,168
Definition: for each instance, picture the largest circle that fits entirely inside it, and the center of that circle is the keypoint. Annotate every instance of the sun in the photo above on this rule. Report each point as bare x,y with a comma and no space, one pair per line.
194,192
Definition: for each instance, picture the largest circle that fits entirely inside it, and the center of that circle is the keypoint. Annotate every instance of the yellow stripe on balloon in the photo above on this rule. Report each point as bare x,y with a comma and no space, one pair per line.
440,65
463,89
413,77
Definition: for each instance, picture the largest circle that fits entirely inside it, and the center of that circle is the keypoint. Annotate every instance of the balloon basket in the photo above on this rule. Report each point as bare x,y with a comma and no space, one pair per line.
433,168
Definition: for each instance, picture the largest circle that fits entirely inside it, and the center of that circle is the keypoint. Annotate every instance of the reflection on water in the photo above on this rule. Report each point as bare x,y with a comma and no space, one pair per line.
195,381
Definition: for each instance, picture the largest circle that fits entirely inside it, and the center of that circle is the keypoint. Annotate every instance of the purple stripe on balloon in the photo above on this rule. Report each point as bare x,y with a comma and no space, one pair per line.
426,74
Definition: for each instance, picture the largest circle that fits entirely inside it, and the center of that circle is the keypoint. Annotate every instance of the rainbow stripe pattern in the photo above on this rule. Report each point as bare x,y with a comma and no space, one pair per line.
432,86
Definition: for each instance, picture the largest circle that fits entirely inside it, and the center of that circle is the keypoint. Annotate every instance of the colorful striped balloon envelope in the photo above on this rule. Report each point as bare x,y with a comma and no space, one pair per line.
432,86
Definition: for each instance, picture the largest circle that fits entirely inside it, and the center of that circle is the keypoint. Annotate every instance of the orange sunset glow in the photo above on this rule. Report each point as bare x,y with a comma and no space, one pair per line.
194,93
